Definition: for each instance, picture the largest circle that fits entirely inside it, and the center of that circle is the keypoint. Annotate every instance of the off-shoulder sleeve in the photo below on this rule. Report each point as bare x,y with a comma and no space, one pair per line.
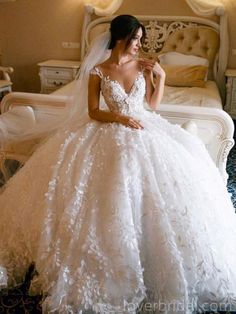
96,71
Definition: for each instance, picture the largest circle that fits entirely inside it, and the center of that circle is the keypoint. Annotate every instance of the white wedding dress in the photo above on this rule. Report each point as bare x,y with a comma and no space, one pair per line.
116,218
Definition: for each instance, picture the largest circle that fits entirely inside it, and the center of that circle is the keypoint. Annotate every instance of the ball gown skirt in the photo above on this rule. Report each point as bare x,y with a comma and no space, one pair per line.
119,220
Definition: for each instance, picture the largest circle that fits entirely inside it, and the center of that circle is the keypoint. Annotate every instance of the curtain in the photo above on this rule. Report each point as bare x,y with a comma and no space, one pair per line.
207,7
104,7
216,7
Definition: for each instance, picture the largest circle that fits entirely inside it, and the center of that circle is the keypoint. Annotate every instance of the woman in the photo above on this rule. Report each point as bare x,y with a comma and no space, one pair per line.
124,211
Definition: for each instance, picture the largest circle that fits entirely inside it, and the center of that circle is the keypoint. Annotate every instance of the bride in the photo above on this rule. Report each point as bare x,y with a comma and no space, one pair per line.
120,210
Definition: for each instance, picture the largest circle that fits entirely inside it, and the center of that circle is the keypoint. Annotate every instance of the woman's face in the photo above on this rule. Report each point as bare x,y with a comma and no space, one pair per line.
135,43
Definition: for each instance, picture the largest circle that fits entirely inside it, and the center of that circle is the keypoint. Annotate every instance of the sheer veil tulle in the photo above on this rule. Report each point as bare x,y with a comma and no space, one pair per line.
77,101
76,111
97,53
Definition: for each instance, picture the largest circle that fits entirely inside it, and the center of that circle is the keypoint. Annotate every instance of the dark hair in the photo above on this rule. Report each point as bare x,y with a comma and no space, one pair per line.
125,27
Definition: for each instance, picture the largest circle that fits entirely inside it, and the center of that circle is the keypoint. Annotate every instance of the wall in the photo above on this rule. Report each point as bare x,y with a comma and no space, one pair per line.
231,9
32,31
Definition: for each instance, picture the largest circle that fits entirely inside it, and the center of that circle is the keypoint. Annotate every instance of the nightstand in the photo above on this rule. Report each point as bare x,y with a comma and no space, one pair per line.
56,73
230,106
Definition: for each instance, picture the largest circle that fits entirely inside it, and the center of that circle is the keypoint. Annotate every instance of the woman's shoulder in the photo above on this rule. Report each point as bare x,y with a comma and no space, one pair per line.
134,64
99,69
106,68
96,70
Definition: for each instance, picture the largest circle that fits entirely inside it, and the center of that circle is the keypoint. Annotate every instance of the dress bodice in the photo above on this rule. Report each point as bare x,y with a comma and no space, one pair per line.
117,99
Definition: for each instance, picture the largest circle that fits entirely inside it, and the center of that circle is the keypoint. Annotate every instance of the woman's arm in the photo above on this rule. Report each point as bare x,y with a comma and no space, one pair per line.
154,86
105,116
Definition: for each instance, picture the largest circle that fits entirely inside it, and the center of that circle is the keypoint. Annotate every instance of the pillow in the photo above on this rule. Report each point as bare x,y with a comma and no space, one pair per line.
181,75
177,58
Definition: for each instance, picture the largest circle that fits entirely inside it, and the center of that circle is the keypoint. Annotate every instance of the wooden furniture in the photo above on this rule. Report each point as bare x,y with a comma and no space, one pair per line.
5,81
230,106
56,73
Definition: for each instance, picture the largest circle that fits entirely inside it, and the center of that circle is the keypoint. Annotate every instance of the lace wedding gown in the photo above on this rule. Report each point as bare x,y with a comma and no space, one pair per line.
114,217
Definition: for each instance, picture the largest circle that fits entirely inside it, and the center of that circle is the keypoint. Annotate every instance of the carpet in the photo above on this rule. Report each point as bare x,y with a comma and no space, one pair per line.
231,170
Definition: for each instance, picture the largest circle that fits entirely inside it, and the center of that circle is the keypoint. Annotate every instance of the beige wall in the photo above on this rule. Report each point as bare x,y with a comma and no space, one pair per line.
231,6
33,30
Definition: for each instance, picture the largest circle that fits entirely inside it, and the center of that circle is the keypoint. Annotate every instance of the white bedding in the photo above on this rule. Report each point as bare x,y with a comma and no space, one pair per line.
193,96
186,96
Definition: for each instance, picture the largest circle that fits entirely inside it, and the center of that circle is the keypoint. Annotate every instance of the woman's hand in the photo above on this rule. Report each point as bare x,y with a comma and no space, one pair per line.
155,81
151,66
130,122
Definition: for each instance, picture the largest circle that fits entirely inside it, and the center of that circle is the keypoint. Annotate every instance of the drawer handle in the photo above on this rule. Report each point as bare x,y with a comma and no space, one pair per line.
57,83
57,72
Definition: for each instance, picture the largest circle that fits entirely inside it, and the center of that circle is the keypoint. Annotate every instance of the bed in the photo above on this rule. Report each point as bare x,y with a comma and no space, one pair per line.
198,109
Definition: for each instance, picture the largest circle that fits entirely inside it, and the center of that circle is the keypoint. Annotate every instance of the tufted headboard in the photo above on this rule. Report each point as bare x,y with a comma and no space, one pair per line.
186,34
199,41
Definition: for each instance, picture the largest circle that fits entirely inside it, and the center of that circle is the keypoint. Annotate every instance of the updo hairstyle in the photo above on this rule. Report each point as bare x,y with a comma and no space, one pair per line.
125,27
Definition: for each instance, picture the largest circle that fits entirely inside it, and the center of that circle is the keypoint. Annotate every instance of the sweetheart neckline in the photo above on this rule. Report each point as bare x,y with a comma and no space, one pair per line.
107,78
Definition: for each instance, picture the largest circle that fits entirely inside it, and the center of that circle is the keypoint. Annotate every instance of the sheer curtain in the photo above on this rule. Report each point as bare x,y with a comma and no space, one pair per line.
207,7
104,7
216,7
